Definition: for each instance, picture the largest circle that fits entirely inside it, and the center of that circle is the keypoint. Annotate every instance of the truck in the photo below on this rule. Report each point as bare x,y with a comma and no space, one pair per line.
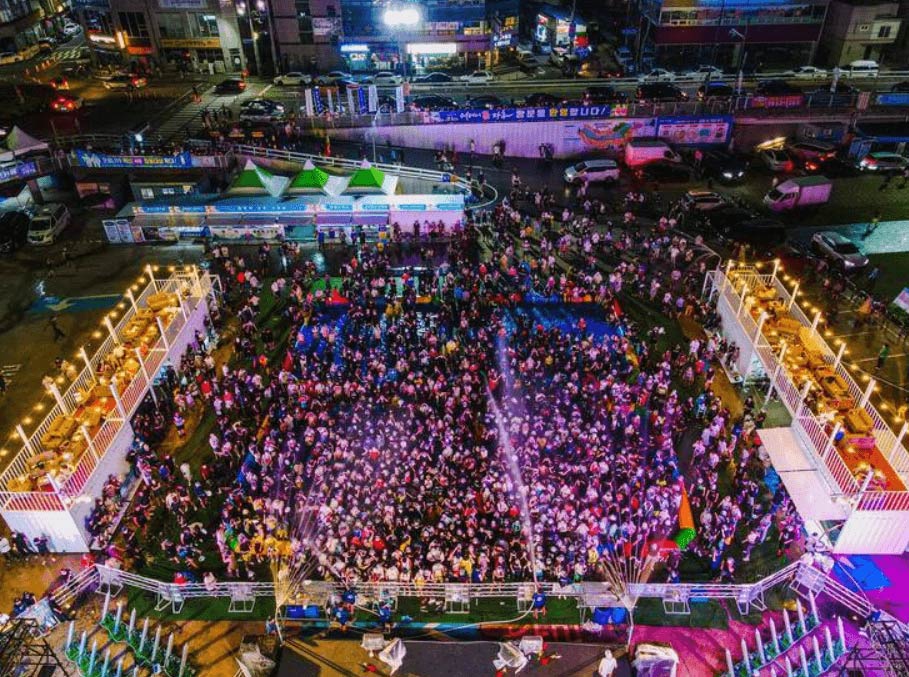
799,193
639,152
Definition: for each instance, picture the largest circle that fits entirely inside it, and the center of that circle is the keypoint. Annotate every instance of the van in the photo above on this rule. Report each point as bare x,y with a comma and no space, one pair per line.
862,68
592,170
48,222
799,193
640,152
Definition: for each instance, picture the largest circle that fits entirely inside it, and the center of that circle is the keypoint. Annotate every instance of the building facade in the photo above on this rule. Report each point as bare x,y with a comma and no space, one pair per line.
24,22
732,34
200,35
451,34
858,30
308,33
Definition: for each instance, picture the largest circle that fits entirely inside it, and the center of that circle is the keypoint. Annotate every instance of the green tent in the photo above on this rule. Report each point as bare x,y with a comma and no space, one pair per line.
256,180
368,178
311,178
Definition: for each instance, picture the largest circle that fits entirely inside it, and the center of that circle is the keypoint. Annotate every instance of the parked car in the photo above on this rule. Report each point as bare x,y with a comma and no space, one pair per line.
657,75
437,78
776,88
839,250
664,172
701,201
125,82
293,79
65,103
704,73
71,30
383,79
799,193
883,163
478,78
715,90
723,166
488,101
862,68
777,160
333,78
558,56
811,150
59,83
530,62
806,73
13,230
542,100
603,94
9,57
231,86
261,110
589,171
660,91
900,86
433,102
759,230
640,152
48,222
46,45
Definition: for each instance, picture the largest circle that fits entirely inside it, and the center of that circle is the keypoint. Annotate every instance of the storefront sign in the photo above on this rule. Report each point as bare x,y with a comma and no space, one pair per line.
21,170
432,48
902,301
101,161
139,51
354,49
522,114
191,43
183,4
788,101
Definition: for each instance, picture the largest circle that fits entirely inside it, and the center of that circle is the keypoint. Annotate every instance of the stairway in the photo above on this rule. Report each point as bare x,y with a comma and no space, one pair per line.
811,581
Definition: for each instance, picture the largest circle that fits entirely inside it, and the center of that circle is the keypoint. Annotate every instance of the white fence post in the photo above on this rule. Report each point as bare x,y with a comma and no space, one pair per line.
866,396
25,440
899,441
839,355
793,294
89,442
831,441
110,330
88,363
161,330
117,400
55,391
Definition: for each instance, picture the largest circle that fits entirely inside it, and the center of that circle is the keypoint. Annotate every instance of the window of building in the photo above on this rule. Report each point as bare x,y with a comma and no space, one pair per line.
172,26
147,193
884,31
133,24
304,22
206,25
98,21
331,11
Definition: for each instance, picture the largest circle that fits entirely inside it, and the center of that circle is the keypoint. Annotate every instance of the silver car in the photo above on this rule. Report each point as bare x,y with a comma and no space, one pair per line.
839,250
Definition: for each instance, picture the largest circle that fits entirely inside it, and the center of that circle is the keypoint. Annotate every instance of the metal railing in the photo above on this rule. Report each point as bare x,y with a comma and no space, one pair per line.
114,579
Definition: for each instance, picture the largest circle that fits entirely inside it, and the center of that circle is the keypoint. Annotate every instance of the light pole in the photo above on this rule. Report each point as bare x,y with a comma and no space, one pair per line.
398,18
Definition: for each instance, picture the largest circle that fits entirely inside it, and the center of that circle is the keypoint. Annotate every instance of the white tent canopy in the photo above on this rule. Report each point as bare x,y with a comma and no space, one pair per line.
18,143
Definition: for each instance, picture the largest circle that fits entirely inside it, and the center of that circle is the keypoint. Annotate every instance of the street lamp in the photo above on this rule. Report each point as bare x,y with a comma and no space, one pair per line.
398,18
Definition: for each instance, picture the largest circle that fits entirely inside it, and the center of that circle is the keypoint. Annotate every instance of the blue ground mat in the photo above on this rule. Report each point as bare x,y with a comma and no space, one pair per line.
858,572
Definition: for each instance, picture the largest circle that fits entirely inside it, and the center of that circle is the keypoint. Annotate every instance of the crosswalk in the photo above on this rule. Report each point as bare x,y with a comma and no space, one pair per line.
71,53
189,116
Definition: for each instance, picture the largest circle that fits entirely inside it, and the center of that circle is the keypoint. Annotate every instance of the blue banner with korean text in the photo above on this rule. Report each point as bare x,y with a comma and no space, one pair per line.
470,115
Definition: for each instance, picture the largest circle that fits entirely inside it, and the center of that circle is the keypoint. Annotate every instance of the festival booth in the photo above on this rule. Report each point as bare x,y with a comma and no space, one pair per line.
51,484
368,180
255,180
447,209
314,181
18,144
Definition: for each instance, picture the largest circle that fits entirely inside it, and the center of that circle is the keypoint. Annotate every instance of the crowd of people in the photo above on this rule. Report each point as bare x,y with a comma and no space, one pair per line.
494,418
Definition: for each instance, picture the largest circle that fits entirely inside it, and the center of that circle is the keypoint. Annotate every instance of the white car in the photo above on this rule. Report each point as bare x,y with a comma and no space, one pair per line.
658,75
333,78
807,73
384,78
702,201
72,30
704,73
293,79
839,250
478,78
